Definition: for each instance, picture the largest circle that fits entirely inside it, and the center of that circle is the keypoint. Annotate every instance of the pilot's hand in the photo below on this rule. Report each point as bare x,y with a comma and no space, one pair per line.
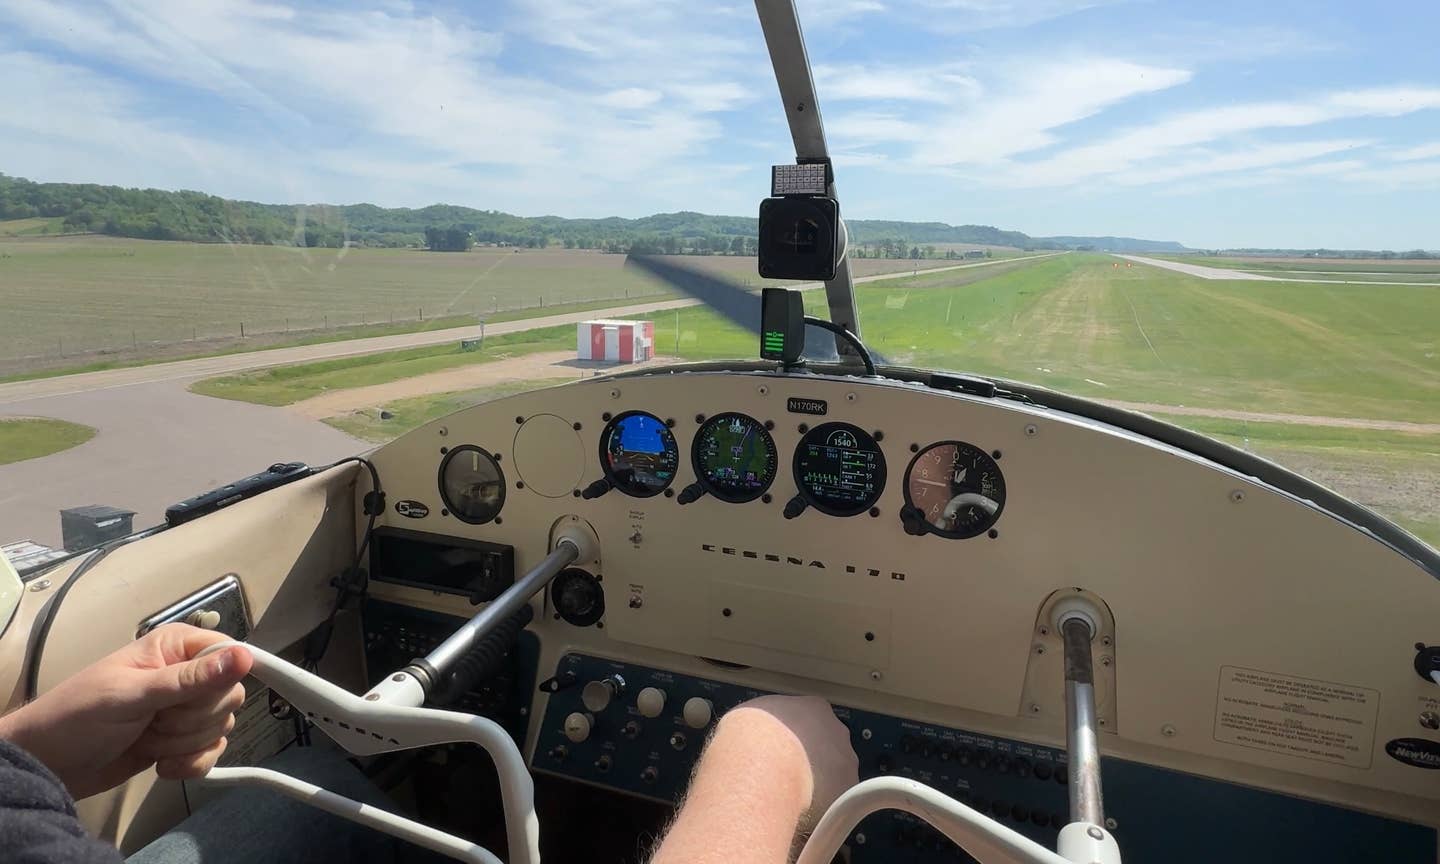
826,763
150,703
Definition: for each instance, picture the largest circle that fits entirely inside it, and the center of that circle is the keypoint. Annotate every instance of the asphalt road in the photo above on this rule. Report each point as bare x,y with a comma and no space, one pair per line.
158,443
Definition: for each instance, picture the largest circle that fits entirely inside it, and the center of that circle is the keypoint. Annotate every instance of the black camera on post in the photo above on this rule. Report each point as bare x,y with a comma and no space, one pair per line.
801,235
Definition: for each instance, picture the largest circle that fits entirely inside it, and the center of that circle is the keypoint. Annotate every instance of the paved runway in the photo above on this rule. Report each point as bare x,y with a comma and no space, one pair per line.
157,444
1203,272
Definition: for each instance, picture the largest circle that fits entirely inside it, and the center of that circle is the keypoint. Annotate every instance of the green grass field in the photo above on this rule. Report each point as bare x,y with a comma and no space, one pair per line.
285,385
1145,334
29,438
80,295
37,226
419,410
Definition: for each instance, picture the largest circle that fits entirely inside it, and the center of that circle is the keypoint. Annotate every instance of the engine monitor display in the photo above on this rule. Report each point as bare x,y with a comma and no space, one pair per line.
839,469
734,457
638,454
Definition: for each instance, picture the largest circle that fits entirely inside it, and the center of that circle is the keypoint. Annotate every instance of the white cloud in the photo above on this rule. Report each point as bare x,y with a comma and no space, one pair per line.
384,92
716,96
1405,176
1263,156
1020,115
1175,135
630,98
64,122
1423,151
969,15
940,84
864,128
822,12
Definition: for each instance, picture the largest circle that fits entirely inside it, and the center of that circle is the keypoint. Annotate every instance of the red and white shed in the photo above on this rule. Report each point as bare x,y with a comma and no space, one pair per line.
614,341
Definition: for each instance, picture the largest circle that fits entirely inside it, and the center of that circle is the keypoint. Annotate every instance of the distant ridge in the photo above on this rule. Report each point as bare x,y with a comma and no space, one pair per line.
156,214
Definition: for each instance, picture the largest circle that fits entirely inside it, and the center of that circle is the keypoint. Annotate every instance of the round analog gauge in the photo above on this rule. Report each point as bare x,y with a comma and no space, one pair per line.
472,484
839,469
638,453
953,489
734,457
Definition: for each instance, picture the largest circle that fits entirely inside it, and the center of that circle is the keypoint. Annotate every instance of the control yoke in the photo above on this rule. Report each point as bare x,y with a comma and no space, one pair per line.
389,718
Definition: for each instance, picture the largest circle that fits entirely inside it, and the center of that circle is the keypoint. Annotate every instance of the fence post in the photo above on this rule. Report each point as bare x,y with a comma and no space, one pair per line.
242,329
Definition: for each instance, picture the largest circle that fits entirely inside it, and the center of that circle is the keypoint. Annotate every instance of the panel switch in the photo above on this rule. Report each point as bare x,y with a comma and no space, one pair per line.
650,702
698,712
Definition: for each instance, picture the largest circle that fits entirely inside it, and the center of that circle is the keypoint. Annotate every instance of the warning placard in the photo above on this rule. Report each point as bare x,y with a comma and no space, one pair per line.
1299,717
257,736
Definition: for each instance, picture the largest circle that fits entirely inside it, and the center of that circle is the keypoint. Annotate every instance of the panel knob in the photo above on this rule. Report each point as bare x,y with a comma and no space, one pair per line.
206,619
577,727
597,694
650,702
697,712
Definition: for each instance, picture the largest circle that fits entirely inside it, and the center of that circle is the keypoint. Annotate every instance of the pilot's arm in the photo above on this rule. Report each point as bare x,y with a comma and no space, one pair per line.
150,703
769,772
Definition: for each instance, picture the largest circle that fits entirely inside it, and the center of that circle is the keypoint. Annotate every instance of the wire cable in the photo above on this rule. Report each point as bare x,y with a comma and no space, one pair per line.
354,582
849,337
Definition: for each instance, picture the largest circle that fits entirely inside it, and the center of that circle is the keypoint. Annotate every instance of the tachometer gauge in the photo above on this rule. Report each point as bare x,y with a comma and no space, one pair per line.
952,489
638,454
472,484
734,457
839,469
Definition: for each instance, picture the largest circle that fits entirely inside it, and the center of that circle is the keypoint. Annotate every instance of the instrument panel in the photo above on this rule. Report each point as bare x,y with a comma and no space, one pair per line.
932,529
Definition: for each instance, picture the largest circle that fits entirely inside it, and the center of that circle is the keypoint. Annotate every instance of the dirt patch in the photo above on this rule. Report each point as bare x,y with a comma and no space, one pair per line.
530,367
1297,419
1399,487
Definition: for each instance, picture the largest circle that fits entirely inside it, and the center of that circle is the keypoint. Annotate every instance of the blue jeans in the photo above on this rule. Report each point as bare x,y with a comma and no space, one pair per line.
249,826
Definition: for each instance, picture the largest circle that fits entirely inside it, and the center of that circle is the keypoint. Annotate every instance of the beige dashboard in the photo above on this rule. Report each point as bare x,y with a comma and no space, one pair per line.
1222,589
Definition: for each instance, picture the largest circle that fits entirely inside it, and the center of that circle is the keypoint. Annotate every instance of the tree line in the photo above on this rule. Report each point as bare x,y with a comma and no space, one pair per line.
156,214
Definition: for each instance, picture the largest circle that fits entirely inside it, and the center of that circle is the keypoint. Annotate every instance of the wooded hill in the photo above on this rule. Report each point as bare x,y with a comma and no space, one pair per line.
156,214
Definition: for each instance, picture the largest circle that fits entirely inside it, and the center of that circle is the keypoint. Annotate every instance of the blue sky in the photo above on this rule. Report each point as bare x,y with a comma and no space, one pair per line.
1222,123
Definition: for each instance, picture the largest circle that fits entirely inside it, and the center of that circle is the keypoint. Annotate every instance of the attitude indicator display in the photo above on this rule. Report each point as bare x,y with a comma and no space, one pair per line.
639,454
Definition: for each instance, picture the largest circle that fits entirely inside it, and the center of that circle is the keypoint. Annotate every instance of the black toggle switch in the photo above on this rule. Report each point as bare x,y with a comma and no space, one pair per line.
1427,661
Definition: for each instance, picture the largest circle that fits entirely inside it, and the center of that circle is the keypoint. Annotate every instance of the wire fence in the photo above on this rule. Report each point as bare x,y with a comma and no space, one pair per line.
167,337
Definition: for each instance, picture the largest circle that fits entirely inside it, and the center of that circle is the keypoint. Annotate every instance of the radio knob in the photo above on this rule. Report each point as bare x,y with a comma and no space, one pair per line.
597,694
650,702
697,712
577,727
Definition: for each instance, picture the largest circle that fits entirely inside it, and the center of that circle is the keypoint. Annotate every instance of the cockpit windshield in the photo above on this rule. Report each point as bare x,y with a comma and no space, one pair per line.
234,232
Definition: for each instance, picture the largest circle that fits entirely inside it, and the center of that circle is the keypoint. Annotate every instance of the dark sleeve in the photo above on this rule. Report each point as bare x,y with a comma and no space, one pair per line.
37,817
